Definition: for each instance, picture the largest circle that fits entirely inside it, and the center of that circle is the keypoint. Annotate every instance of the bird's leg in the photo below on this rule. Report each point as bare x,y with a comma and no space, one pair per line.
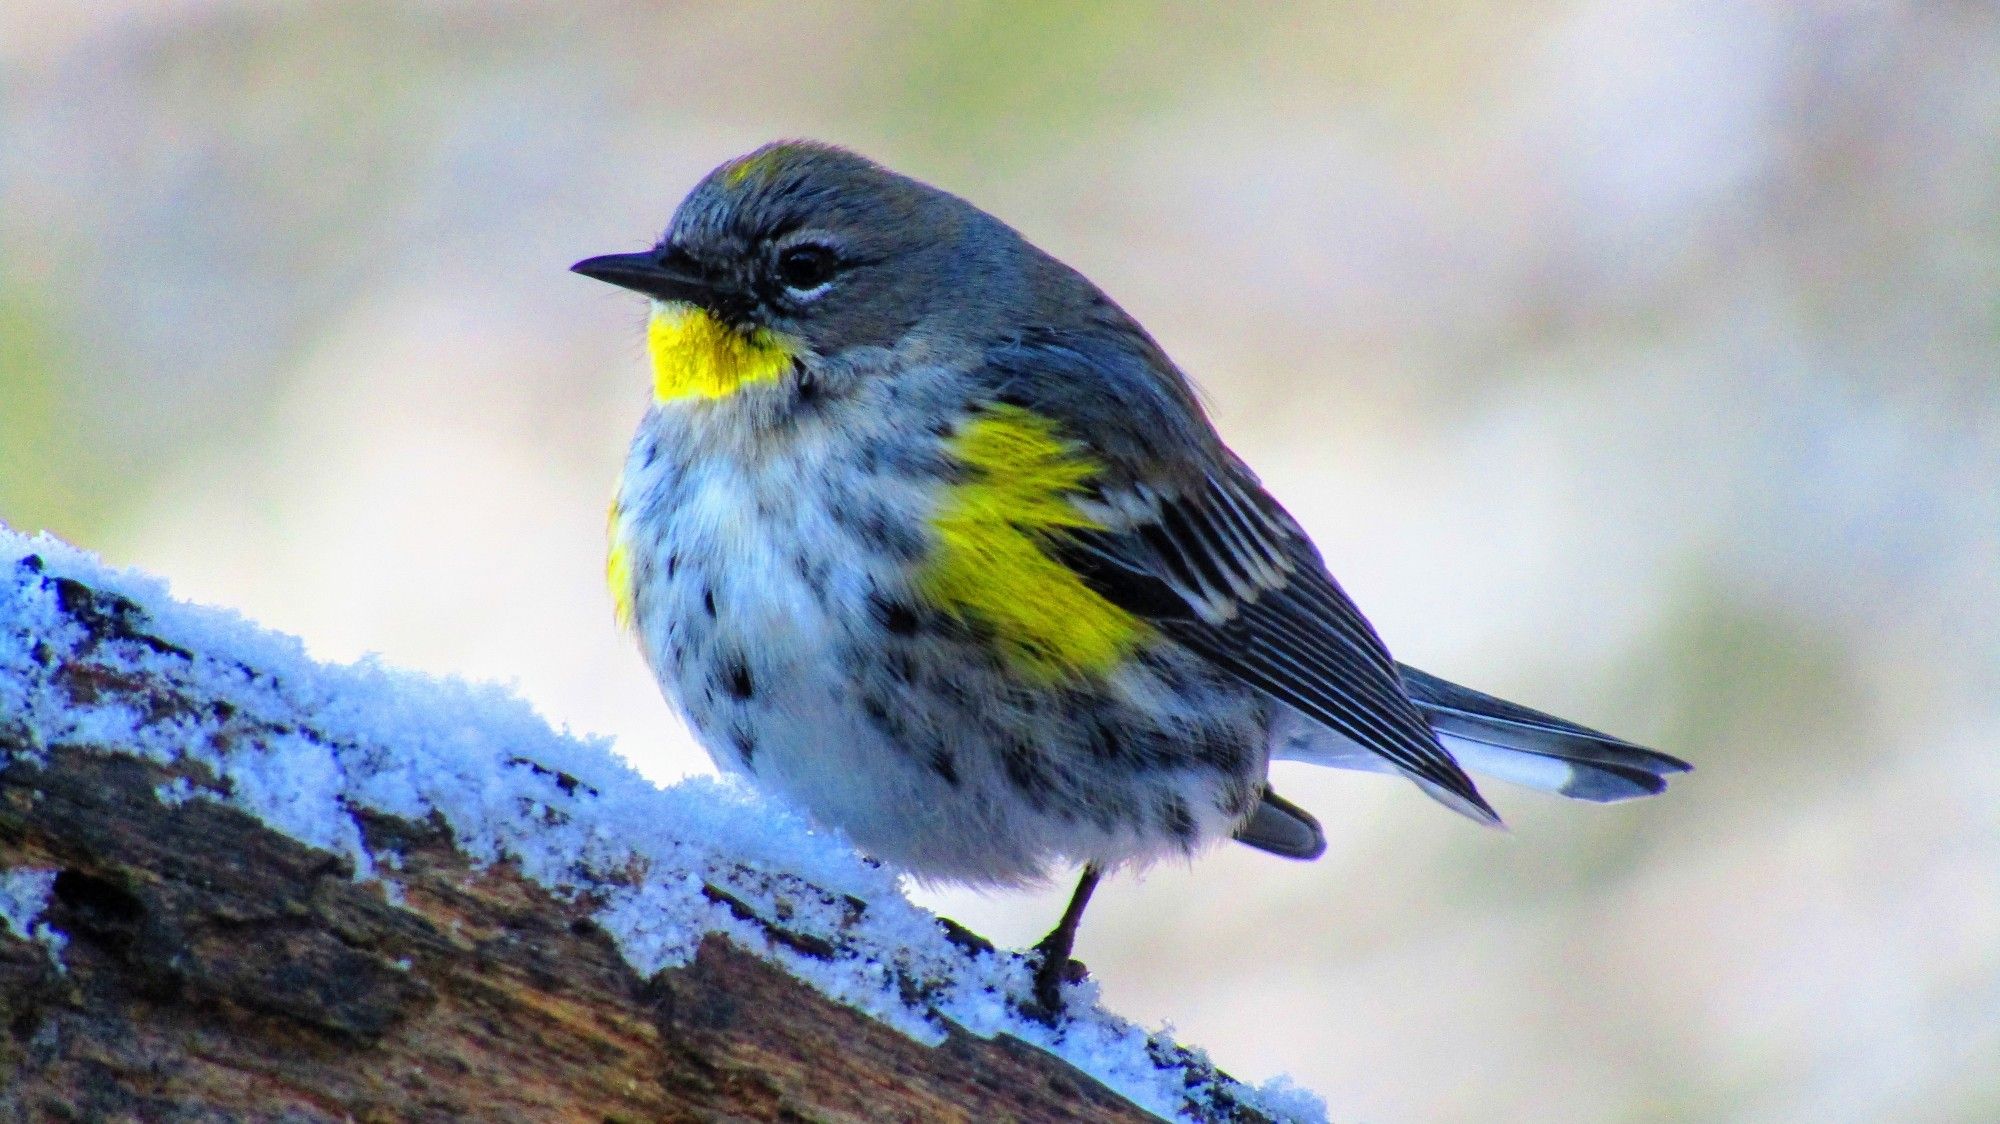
1054,949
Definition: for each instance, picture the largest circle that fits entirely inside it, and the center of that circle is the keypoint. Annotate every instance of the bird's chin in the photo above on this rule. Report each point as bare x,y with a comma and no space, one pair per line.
695,355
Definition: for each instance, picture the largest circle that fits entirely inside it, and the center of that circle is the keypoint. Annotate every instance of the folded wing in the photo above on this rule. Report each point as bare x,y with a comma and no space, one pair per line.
1223,570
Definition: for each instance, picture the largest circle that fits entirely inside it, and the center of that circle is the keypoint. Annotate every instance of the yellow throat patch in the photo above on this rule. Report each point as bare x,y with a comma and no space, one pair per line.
697,356
990,563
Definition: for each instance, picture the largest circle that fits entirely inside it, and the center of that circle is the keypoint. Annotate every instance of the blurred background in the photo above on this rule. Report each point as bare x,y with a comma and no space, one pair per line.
1635,359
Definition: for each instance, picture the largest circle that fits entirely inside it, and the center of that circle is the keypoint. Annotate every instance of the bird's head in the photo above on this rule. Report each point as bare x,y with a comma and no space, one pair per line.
800,253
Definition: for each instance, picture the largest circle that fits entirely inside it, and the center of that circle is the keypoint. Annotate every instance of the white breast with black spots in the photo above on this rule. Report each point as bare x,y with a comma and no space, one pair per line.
772,596
755,582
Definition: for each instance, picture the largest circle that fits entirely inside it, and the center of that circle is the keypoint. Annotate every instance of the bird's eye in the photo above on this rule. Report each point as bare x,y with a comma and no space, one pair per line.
807,267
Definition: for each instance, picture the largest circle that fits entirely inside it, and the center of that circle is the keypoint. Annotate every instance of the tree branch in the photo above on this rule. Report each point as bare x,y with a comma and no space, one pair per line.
228,903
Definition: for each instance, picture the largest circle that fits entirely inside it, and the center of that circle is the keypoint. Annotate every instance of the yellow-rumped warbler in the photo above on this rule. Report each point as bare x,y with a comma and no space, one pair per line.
925,534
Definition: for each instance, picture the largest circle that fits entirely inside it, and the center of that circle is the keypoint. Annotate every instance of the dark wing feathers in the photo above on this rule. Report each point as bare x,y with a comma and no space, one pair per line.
1191,542
1225,572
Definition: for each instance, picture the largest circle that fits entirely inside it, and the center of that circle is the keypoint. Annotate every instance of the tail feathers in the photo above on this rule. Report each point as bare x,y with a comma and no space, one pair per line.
1527,747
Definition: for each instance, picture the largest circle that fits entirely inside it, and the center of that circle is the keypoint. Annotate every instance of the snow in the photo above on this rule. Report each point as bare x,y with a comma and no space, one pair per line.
24,894
665,867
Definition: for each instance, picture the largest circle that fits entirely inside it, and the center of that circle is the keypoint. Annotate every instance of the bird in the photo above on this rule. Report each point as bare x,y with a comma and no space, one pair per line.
924,534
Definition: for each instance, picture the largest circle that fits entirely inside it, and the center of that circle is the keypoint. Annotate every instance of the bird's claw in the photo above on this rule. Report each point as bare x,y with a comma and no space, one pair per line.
1051,973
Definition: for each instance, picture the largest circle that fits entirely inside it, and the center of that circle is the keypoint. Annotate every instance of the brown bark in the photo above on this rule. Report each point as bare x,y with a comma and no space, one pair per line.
218,970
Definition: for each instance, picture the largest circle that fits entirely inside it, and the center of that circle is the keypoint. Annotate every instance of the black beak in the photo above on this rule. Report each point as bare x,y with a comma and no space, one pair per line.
663,274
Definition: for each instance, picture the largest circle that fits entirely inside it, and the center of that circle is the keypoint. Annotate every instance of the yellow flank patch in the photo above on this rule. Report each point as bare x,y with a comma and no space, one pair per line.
990,563
697,356
618,570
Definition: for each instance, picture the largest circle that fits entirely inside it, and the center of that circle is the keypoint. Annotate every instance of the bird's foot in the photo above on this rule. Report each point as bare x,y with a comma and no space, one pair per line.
1054,967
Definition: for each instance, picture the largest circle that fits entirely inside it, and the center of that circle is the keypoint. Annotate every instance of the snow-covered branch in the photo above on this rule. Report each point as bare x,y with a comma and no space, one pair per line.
234,880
